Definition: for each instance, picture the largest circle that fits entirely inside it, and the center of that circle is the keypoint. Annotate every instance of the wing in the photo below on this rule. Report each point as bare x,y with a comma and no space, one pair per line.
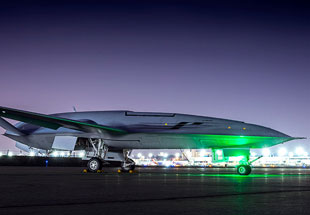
53,122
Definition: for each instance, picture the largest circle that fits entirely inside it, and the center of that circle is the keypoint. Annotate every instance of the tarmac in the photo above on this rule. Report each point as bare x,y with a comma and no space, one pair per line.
67,190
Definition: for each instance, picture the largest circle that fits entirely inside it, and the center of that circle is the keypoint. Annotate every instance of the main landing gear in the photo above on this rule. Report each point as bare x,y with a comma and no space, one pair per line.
128,165
101,155
94,164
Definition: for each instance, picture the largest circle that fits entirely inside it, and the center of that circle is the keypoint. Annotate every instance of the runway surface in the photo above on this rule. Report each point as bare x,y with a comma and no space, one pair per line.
67,190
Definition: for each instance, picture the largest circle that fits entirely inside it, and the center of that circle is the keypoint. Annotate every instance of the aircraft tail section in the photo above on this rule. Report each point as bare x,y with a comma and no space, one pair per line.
9,127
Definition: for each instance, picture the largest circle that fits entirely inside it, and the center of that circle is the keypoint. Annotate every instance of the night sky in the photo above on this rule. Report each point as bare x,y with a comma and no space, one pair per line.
240,60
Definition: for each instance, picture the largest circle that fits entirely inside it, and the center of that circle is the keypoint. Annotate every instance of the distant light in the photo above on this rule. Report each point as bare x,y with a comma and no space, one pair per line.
161,154
1,154
62,154
166,155
167,163
237,158
229,127
244,128
291,154
299,151
188,153
253,154
219,152
139,155
177,155
55,154
82,154
10,154
202,152
166,124
266,152
282,152
31,153
150,155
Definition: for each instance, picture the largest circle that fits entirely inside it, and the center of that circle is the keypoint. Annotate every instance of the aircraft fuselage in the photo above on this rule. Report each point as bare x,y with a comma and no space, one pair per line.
156,131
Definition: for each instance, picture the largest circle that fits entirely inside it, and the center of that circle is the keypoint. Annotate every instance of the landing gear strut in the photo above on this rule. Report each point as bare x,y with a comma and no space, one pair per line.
100,150
128,164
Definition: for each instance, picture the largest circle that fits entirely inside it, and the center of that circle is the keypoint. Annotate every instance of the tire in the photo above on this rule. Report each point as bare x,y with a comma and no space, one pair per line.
94,164
244,169
128,168
133,166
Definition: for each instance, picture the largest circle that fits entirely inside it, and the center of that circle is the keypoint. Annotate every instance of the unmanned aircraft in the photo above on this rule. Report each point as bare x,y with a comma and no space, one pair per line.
110,136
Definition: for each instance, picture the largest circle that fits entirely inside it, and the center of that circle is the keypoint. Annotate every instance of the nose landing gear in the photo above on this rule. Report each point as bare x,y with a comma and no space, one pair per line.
245,166
244,169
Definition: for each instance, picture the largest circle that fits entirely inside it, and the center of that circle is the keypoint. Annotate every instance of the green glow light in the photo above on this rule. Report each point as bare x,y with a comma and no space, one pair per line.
224,175
226,141
246,176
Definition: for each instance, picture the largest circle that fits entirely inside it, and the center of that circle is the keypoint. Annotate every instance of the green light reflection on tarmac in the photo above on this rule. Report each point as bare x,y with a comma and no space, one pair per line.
249,176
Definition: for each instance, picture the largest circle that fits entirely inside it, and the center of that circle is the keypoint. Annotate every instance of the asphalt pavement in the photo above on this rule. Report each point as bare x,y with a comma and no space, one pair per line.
67,190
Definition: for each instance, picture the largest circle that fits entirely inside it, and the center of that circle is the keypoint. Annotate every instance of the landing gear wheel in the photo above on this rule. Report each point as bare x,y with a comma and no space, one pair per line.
126,167
94,164
244,169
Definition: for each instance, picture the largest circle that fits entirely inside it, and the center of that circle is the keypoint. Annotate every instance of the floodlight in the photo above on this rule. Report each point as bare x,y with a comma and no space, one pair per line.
299,151
219,152
266,152
253,154
82,154
202,152
282,152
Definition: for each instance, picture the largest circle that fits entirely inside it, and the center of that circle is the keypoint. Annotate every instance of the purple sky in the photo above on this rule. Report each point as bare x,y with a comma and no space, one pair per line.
242,61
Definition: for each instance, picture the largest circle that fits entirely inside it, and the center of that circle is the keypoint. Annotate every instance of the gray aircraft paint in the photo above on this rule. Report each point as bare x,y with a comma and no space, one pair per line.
146,130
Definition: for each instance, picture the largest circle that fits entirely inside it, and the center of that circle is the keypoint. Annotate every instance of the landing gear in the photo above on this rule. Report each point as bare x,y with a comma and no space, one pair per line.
244,169
94,164
128,165
245,166
102,155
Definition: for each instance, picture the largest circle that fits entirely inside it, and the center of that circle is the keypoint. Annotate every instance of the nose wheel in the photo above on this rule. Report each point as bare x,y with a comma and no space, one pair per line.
244,169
